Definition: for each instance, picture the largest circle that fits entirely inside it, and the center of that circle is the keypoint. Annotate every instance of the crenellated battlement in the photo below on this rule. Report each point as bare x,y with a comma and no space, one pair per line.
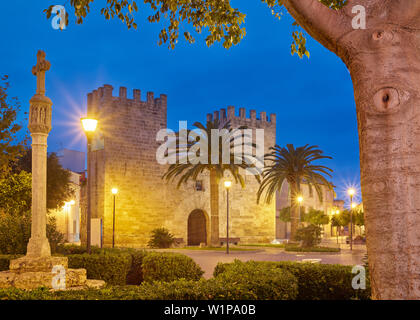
104,95
230,114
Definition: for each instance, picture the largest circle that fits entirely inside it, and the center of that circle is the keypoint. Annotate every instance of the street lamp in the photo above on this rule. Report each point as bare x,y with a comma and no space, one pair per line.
114,192
299,200
336,212
228,185
351,192
89,127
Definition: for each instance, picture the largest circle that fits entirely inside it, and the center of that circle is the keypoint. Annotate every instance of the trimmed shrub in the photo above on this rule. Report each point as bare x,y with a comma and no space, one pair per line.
176,290
161,238
253,280
213,289
242,282
316,281
310,235
166,266
67,249
45,294
110,267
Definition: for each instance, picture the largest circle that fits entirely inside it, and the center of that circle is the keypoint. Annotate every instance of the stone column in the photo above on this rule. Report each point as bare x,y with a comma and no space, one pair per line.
38,268
39,126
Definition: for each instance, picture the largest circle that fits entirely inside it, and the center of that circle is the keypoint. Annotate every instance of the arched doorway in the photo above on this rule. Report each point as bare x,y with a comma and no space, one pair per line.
197,230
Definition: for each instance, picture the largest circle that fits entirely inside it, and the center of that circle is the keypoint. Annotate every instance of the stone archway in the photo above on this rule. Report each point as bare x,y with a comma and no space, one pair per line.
197,228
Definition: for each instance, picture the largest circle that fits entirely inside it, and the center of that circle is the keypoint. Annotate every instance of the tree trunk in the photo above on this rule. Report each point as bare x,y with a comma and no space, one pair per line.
384,63
214,209
294,211
387,97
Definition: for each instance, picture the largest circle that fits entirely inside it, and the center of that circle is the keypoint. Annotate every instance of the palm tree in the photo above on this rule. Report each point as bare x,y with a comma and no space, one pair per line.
184,170
294,166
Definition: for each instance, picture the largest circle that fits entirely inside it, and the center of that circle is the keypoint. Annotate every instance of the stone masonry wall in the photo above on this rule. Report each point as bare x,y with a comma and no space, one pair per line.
249,221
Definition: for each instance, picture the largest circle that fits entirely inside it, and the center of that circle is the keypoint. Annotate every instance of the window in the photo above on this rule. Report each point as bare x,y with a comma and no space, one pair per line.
199,185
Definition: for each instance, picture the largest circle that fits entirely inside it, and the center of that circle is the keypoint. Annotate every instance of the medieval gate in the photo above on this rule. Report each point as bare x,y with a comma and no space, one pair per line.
197,230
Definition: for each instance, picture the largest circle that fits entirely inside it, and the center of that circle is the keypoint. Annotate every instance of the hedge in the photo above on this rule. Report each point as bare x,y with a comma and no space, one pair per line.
134,275
164,266
253,280
110,267
125,266
315,281
213,289
68,249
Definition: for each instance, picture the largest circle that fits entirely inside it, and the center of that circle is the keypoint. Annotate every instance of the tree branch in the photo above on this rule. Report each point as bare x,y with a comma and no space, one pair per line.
324,24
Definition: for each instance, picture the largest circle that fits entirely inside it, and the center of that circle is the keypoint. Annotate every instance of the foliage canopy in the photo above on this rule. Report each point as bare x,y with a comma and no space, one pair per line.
11,144
294,165
185,169
217,18
58,179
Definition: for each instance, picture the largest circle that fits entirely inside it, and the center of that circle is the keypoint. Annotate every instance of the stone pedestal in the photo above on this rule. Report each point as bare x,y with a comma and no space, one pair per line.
31,273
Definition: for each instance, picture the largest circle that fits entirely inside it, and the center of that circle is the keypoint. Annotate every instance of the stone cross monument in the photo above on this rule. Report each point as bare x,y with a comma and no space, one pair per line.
39,126
38,268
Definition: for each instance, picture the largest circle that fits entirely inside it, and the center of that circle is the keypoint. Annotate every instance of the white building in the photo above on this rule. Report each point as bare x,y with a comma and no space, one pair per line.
310,200
68,217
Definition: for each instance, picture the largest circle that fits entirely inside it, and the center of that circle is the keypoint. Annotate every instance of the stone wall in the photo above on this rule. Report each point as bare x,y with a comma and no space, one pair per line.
126,159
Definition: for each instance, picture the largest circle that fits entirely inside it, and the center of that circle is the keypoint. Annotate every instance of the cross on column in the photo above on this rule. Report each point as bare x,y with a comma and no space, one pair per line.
39,70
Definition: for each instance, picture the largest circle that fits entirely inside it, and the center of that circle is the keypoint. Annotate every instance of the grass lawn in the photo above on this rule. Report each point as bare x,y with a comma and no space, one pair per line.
214,248
264,245
294,248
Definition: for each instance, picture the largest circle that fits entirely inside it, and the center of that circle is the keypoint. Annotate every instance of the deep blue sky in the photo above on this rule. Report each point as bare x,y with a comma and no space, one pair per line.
313,98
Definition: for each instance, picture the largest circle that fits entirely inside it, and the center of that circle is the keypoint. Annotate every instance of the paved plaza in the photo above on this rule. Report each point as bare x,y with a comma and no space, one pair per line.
208,259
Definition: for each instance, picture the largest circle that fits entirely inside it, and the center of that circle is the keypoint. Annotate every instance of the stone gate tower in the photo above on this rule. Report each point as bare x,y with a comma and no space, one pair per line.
124,156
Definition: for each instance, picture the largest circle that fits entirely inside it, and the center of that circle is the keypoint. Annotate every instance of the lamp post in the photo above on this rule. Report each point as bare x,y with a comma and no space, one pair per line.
89,127
227,184
336,227
351,193
299,200
114,193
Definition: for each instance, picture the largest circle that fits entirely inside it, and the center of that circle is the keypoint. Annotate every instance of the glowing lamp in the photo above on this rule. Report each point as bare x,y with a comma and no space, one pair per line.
228,184
89,125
